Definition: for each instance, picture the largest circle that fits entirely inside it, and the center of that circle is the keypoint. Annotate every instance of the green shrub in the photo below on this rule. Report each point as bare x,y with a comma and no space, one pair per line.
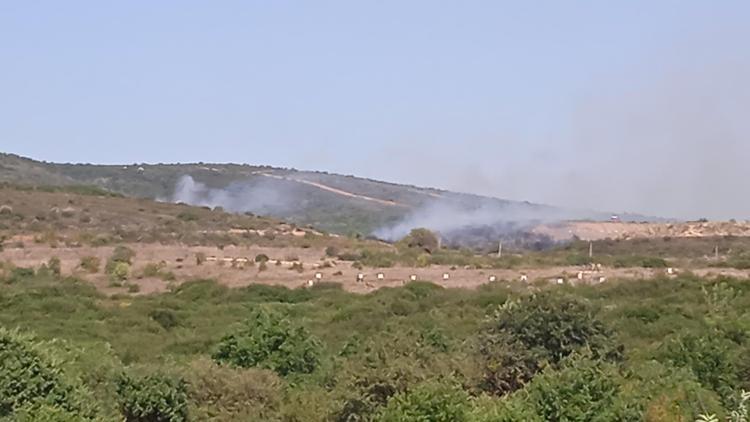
553,324
582,390
527,334
90,264
154,397
707,356
269,340
31,376
187,216
167,318
261,258
228,394
428,402
422,239
119,272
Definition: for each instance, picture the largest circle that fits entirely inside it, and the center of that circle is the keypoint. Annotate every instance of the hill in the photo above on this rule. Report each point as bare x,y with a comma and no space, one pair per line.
335,203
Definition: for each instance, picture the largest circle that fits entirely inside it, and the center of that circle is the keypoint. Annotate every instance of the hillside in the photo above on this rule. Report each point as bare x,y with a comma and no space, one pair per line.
335,203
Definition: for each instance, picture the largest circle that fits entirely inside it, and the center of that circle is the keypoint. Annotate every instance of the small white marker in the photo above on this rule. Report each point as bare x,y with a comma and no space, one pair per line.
560,281
493,279
413,277
318,276
524,277
446,276
381,276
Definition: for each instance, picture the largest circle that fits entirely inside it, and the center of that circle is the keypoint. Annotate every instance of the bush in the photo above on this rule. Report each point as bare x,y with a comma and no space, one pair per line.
154,397
167,318
122,254
90,264
119,272
332,251
269,340
422,239
226,393
261,258
582,390
54,266
708,357
428,402
31,376
555,325
525,335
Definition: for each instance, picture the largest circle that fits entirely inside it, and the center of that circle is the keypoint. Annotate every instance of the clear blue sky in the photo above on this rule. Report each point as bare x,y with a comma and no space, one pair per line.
630,105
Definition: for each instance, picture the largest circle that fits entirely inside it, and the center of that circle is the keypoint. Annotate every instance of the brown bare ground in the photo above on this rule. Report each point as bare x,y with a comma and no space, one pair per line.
181,260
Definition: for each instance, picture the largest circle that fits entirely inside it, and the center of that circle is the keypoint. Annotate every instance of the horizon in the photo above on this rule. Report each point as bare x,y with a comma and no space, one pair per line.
637,108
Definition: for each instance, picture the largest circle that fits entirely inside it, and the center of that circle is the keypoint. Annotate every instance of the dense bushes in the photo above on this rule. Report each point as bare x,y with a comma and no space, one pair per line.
152,398
429,402
33,382
525,335
417,352
269,340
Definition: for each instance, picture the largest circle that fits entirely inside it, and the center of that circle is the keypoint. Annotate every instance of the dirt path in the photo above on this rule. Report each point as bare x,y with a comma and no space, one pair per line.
336,191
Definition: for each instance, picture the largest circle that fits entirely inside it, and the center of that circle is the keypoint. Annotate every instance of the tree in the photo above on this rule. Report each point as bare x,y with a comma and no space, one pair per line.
269,340
525,335
422,239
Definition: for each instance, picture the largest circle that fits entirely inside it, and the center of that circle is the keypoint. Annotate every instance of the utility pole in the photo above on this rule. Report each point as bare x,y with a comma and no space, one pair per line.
591,249
500,249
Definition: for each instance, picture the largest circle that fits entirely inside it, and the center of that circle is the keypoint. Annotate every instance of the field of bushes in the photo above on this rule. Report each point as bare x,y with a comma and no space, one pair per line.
655,350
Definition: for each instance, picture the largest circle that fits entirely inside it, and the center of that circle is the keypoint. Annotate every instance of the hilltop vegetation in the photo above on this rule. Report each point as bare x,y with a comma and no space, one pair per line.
660,350
334,203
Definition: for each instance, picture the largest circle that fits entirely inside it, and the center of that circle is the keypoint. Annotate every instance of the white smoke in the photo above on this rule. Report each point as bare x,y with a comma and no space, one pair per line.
256,195
449,217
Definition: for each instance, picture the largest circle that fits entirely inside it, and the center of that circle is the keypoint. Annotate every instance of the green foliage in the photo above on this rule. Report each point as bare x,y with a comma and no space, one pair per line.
228,394
33,381
525,335
153,397
421,239
582,390
269,340
119,271
640,261
187,216
261,258
428,402
166,318
707,356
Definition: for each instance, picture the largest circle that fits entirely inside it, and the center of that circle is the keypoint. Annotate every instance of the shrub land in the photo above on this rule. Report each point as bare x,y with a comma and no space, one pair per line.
658,350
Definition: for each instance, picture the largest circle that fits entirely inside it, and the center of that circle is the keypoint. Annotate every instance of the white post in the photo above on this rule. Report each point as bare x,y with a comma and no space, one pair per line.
591,249
499,249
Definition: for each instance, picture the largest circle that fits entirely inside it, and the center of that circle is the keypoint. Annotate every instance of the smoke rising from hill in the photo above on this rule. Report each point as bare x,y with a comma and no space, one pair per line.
257,196
482,222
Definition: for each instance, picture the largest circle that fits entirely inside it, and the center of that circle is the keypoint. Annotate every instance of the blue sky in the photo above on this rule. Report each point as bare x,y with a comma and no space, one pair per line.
637,105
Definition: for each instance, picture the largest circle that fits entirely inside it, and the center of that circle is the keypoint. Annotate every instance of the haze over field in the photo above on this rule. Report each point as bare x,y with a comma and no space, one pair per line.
638,106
